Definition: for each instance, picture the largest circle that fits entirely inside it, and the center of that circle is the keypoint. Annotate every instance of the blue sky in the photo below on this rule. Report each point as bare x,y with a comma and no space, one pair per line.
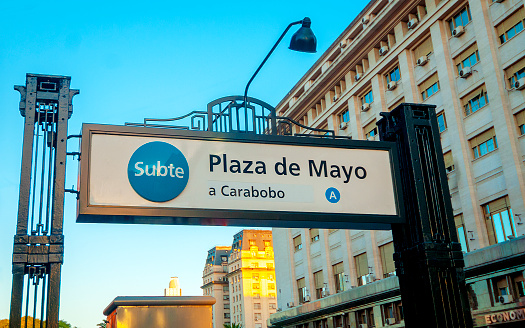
132,60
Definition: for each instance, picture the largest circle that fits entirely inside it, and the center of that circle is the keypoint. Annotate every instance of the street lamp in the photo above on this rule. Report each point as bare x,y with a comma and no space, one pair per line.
303,40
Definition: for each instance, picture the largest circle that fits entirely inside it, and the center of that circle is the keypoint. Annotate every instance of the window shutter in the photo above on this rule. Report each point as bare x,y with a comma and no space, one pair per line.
477,92
510,21
458,220
369,127
428,83
361,264
424,48
297,241
314,232
466,53
338,268
499,204
515,67
520,118
387,259
318,278
301,283
481,138
449,160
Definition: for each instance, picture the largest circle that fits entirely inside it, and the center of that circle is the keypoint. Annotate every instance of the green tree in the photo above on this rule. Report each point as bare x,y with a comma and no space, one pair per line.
103,324
232,325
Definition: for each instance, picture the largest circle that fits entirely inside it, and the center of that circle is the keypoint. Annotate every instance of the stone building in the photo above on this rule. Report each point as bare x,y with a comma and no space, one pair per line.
468,59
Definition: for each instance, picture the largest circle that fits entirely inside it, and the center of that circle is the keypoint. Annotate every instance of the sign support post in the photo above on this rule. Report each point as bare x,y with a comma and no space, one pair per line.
428,257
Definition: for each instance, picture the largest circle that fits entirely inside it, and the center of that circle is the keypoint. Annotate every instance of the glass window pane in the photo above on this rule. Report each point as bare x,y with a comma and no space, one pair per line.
457,20
511,33
496,220
507,224
483,149
519,27
476,153
462,240
451,25
464,17
441,123
490,145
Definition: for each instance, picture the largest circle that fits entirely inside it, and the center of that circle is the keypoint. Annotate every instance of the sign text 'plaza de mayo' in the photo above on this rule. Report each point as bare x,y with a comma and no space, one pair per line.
173,174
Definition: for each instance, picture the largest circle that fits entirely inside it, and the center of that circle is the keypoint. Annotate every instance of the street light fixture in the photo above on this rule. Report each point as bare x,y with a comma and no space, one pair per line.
303,40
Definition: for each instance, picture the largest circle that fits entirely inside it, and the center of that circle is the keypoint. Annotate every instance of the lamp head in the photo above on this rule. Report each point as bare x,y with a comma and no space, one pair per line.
304,39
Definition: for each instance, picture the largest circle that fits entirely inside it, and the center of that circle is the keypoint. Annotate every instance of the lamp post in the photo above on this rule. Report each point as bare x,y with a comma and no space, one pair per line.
303,40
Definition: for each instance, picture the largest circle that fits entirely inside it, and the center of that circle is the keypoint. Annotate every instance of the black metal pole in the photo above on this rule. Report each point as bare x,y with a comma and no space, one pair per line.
265,59
428,257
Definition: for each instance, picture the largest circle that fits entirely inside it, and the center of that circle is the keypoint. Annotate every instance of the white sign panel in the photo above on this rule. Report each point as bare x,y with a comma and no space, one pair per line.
180,173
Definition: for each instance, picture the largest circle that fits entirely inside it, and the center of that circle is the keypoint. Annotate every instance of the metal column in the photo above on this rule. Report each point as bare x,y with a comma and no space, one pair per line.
428,257
46,105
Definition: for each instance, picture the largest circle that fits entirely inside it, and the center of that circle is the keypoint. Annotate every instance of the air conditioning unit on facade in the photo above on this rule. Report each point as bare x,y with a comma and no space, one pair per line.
357,77
498,1
391,85
504,299
334,98
289,304
342,44
369,278
465,72
421,61
343,125
391,321
365,107
412,23
383,51
365,19
458,31
520,84
307,298
363,325
325,292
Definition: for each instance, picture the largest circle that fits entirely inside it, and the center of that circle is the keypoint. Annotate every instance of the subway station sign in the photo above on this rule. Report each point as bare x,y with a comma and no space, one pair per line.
162,176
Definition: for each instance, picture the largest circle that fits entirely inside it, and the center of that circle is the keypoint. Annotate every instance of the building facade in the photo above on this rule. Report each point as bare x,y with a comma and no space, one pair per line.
215,283
468,59
174,288
242,280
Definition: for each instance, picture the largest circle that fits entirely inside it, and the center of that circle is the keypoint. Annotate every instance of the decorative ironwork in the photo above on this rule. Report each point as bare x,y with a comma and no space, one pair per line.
228,114
46,105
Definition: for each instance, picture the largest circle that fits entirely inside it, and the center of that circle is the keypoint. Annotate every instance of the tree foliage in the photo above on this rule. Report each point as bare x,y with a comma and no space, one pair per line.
232,325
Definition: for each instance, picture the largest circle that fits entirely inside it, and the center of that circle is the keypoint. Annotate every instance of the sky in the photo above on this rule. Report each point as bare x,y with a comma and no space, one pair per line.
132,60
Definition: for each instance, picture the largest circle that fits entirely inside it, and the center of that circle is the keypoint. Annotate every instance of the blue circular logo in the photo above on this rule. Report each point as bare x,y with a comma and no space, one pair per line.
332,195
158,171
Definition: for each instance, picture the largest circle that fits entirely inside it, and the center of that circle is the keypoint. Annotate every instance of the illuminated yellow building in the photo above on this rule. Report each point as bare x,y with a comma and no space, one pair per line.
244,285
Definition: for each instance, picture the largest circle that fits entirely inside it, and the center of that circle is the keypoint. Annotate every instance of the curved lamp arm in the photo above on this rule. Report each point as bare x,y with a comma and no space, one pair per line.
265,59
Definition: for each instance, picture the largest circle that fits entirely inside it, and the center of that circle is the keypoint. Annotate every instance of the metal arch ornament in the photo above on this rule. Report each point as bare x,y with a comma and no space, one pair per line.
229,114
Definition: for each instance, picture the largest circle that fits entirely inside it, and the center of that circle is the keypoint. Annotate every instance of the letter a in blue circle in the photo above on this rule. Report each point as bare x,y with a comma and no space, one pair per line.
158,171
332,195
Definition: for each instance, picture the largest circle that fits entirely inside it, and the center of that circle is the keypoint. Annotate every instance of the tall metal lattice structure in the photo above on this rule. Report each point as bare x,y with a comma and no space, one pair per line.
46,105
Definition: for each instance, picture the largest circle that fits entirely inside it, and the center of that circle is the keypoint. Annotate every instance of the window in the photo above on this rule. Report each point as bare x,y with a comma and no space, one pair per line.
270,277
257,316
387,259
269,265
515,72
442,122
257,295
467,58
449,161
225,288
365,317
368,98
499,220
319,284
429,87
301,290
475,100
226,306
252,242
267,243
344,116
339,277
271,295
511,26
361,265
257,306
393,75
258,325
271,286
314,235
256,286
462,18
484,143
392,313
424,49
226,316
370,130
520,121
297,243
225,297
272,306
462,232
255,276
